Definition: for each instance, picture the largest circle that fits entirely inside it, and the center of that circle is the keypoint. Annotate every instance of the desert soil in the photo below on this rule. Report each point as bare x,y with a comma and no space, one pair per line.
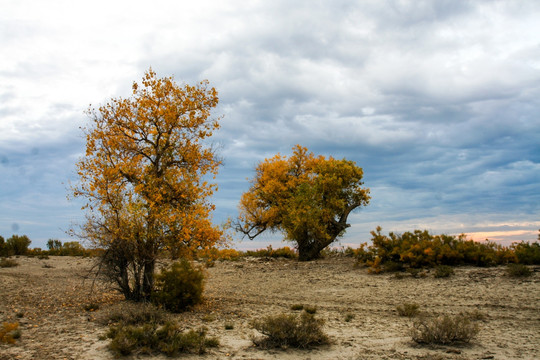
47,298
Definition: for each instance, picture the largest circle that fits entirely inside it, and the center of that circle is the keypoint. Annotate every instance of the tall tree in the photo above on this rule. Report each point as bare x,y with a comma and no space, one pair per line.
145,178
308,198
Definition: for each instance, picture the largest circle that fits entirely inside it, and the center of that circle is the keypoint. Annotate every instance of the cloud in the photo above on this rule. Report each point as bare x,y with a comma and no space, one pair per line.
437,101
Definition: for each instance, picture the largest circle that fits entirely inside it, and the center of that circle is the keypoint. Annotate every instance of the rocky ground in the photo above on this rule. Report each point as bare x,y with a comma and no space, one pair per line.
47,298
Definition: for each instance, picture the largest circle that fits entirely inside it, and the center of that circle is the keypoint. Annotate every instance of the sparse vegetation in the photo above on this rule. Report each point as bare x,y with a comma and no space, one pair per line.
297,307
518,270
5,263
444,330
443,271
179,286
408,309
349,317
151,338
418,249
9,332
285,331
131,313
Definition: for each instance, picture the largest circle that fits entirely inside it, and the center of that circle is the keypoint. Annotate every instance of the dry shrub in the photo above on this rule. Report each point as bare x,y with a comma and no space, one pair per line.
444,330
284,331
518,270
151,338
5,263
443,271
131,313
408,309
9,332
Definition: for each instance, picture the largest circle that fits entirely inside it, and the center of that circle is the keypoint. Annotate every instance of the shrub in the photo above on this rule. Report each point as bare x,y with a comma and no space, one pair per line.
518,270
310,309
444,330
229,326
130,313
527,253
151,338
349,317
443,271
179,287
9,332
290,331
408,309
18,245
284,252
297,307
4,263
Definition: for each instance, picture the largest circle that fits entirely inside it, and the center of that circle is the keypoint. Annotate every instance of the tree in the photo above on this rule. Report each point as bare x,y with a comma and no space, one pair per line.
18,245
54,246
3,247
145,179
308,198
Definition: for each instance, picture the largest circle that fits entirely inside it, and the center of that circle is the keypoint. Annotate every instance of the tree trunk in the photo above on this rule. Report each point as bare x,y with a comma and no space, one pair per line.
148,279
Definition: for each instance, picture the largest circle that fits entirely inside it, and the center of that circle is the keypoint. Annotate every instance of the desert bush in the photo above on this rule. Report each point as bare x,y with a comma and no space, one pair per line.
5,263
420,249
284,331
310,309
348,317
518,270
18,245
284,252
297,307
443,271
408,309
152,338
9,332
444,330
527,253
132,313
179,286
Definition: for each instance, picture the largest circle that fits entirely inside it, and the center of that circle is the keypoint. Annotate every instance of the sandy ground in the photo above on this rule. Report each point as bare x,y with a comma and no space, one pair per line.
47,298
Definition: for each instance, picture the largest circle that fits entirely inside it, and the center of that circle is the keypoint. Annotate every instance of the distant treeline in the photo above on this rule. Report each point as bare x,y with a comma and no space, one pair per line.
19,245
419,249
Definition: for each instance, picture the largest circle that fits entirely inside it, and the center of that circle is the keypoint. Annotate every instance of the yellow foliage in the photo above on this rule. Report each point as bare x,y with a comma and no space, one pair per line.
7,332
142,174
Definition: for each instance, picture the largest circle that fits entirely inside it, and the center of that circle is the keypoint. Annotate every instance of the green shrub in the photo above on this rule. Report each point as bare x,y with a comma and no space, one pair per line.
152,338
518,270
179,286
290,331
444,330
18,245
443,271
5,262
408,309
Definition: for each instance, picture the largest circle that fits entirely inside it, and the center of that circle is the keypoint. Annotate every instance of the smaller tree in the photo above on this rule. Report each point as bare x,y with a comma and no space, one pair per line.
308,198
3,248
18,245
54,246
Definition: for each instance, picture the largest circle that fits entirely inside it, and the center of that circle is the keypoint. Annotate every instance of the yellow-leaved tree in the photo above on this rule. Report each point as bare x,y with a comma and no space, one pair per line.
308,198
145,179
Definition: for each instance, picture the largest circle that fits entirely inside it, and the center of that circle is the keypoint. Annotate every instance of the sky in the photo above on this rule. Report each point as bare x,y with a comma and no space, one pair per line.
438,102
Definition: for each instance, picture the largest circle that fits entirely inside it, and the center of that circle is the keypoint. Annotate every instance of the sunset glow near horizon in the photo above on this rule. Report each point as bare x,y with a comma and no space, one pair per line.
437,101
